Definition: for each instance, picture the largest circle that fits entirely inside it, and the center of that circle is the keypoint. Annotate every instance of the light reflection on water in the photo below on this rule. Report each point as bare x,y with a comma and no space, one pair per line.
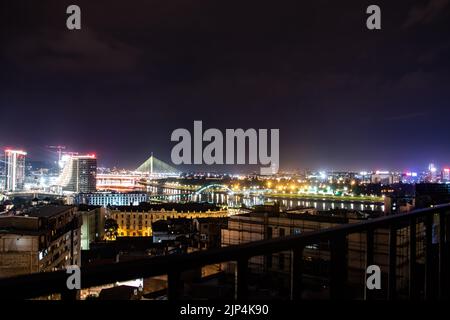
238,200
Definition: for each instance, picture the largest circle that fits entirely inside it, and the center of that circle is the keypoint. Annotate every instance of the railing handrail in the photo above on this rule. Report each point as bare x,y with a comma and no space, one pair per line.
39,284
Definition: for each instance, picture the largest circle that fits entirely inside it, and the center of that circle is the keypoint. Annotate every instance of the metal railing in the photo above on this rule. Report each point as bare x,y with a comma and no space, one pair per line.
435,285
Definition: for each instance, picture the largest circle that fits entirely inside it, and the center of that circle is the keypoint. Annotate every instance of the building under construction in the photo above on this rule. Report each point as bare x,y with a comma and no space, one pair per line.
274,270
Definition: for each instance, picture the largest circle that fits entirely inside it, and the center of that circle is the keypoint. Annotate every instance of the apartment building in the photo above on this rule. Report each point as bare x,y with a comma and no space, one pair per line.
42,238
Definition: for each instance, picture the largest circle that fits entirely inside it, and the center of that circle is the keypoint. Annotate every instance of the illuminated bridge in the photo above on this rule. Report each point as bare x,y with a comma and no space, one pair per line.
203,189
155,168
213,187
120,182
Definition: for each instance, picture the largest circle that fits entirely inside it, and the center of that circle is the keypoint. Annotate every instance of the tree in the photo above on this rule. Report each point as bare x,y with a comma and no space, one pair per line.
111,227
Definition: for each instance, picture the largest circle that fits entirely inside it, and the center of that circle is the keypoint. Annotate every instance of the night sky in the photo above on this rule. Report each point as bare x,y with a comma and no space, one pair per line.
343,97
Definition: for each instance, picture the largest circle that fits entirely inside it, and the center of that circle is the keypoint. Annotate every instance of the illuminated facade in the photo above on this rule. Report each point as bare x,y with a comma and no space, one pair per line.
79,174
383,177
15,169
105,199
137,221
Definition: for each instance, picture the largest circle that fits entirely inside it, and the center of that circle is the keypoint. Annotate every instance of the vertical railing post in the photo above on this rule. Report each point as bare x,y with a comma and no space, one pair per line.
338,272
413,292
242,279
429,256
447,255
392,280
443,274
296,273
368,295
173,285
69,295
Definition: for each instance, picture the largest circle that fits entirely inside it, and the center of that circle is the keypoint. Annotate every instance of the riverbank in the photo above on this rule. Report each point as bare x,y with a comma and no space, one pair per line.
326,197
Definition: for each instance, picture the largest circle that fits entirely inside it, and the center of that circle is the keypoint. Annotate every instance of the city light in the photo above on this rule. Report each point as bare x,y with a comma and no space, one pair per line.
20,152
224,159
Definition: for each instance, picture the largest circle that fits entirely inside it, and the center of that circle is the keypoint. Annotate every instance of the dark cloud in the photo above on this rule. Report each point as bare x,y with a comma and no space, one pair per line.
342,96
425,13
407,116
433,55
72,52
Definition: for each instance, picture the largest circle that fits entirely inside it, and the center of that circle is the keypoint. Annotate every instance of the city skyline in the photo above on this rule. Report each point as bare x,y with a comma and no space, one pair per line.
219,158
343,96
48,156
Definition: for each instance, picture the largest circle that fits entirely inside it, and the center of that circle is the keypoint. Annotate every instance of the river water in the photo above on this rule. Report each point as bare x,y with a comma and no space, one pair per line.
223,198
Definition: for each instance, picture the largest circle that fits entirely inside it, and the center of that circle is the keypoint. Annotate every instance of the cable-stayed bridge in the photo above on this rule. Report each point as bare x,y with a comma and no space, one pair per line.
157,168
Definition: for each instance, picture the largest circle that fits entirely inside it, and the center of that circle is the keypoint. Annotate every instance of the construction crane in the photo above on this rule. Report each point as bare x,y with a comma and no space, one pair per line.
59,150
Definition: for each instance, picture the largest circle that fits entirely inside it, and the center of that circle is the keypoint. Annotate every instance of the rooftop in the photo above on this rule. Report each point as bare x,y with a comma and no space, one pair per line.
211,219
179,207
122,292
47,211
336,216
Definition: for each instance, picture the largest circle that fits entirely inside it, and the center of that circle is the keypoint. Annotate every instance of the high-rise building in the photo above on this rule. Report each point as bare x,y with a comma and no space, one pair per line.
446,175
79,174
15,169
432,170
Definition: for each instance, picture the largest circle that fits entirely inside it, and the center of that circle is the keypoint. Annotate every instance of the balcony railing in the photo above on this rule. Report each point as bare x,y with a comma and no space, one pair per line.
436,236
